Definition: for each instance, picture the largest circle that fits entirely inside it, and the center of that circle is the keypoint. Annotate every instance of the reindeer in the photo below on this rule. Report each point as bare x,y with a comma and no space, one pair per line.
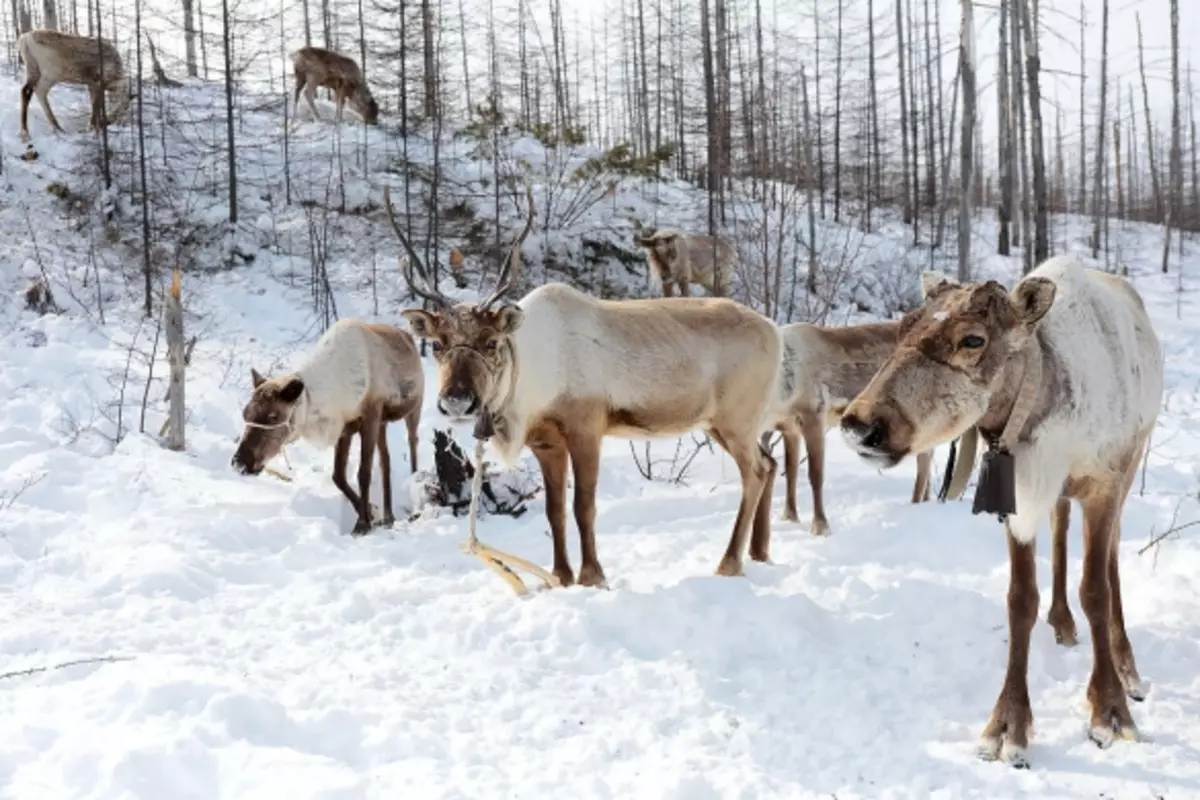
51,58
681,258
559,370
1063,378
358,378
823,369
317,67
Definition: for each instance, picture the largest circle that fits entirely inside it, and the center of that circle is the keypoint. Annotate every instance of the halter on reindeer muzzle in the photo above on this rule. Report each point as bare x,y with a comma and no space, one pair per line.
503,563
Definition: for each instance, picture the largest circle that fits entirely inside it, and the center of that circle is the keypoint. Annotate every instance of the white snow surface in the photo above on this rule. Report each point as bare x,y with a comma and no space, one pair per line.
255,650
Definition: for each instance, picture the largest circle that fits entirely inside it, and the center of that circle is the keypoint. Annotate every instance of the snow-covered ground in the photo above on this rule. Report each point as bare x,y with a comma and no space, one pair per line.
242,645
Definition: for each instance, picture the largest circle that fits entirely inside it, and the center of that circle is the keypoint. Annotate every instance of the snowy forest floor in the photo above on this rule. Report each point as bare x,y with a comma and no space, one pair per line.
243,645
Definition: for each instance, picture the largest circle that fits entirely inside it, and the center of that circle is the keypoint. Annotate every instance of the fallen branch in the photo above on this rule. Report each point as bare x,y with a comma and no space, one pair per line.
1171,530
19,673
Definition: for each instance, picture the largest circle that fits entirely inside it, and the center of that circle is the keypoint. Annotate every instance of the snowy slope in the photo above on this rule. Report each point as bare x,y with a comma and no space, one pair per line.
258,651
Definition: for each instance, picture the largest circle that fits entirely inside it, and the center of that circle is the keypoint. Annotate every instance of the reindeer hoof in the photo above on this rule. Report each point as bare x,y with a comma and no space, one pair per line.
564,575
820,527
361,528
592,575
728,568
388,521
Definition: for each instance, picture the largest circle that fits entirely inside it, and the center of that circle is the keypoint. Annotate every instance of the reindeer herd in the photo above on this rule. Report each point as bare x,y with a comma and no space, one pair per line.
1062,376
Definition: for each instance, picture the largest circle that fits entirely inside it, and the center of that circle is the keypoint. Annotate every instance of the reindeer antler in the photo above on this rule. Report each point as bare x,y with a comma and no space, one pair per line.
511,268
414,261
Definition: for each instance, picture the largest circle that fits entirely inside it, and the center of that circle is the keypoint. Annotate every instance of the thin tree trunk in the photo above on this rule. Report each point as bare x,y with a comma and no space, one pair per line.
430,104
967,75
1154,182
189,39
1082,108
1033,69
1022,154
1004,210
930,153
227,48
462,32
1175,198
177,358
909,211
874,161
811,281
1101,160
837,120
1117,154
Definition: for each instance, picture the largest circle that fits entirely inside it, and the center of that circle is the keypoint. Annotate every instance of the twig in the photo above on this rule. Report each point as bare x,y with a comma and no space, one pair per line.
33,670
1171,529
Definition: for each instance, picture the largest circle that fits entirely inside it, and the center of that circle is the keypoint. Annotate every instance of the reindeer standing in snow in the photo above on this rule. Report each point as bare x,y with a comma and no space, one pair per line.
51,58
316,67
823,369
1063,376
682,258
357,379
560,370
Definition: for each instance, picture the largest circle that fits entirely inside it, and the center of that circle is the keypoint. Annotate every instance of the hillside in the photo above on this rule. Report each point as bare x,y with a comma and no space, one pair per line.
254,649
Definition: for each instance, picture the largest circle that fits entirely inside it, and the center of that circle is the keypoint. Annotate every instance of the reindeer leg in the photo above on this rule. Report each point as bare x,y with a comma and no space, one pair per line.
551,455
1006,735
385,474
753,467
300,81
94,119
26,96
668,288
684,290
584,450
1060,617
368,436
921,485
310,95
413,421
44,100
1110,715
340,97
341,455
814,442
760,532
1122,649
791,461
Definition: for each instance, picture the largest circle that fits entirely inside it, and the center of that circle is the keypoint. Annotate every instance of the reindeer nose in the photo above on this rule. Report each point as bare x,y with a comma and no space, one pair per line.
458,404
859,433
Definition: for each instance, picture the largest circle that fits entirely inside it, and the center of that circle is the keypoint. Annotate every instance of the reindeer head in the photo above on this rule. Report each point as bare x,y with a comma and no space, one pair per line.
269,418
948,364
662,247
364,104
472,343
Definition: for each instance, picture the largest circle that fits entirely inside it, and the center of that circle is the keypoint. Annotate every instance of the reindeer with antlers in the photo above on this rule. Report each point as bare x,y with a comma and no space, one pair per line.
559,370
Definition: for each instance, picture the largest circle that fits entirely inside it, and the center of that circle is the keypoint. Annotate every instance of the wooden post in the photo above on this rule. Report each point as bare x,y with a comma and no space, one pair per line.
176,355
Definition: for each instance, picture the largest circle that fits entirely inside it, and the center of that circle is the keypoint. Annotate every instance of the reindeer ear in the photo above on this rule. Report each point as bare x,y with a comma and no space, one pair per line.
290,392
508,319
422,322
1032,298
933,282
255,378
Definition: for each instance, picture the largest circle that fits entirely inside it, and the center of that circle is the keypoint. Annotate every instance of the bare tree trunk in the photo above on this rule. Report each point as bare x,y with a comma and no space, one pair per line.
430,103
1082,108
189,39
1175,198
1117,154
930,153
49,14
837,119
818,109
1101,159
906,190
1195,215
1154,183
147,267
1033,69
177,358
811,282
227,48
874,161
1022,153
966,54
462,32
1004,211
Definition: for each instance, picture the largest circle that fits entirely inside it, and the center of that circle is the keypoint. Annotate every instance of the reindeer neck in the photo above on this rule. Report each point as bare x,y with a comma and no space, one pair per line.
502,409
1011,409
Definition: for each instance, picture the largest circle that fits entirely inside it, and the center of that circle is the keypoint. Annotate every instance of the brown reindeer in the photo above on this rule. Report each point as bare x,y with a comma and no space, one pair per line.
1063,375
560,370
682,258
316,67
51,58
357,379
823,369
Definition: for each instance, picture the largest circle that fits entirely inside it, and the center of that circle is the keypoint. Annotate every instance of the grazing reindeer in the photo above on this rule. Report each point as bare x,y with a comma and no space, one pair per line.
824,368
317,67
52,58
682,258
1065,374
560,370
357,379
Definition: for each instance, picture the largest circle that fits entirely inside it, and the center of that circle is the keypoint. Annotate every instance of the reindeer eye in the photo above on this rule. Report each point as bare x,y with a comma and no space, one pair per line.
492,345
435,345
972,342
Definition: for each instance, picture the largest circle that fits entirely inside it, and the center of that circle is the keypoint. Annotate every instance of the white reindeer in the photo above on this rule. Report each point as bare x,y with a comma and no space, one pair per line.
357,379
560,370
1064,373
51,57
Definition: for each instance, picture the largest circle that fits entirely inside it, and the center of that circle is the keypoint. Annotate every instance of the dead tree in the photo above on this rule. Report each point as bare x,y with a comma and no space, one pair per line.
177,357
1033,68
966,54
1101,160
